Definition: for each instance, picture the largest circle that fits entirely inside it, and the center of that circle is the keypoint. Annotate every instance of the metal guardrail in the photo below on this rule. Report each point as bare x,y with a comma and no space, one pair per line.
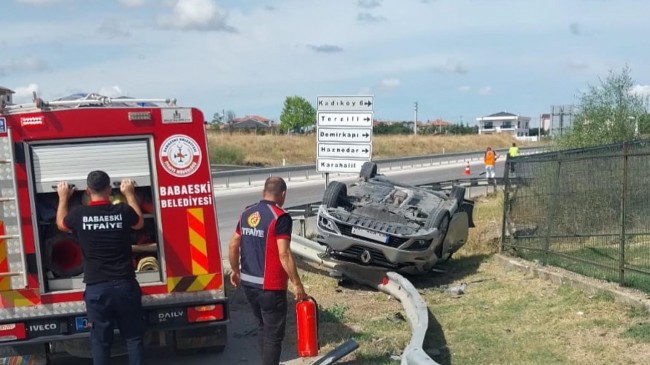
390,283
225,177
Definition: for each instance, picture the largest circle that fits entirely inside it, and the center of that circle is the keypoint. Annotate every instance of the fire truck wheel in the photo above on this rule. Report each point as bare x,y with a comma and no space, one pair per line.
63,256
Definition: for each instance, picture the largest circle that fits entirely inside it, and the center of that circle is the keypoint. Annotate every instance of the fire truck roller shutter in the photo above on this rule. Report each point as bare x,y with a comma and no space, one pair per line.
72,162
63,255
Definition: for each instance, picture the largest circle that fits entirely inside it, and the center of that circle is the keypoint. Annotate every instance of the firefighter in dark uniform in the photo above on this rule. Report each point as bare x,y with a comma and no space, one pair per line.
261,241
112,293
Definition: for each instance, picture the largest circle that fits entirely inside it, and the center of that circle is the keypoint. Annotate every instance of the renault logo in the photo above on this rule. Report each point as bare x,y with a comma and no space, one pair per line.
365,257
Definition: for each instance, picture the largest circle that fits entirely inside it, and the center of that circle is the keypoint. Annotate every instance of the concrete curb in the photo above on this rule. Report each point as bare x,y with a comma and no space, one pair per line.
560,276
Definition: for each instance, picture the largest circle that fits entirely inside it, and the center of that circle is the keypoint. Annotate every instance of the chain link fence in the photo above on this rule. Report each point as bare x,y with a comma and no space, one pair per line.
586,210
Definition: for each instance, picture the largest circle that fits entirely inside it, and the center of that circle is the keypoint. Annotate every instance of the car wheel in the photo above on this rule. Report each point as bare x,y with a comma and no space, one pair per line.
335,194
368,170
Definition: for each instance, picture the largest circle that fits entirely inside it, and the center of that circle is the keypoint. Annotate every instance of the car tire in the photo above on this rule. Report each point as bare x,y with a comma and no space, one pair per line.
335,194
368,170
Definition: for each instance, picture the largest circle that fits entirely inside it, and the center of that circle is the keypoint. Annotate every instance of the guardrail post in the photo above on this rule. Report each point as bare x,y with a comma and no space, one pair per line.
307,174
227,182
303,223
289,175
249,180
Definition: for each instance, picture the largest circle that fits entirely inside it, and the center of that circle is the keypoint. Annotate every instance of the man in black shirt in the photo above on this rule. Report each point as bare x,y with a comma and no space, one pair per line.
112,293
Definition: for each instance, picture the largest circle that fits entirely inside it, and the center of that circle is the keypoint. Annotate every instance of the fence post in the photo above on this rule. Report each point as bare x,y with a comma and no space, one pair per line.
621,263
553,207
506,206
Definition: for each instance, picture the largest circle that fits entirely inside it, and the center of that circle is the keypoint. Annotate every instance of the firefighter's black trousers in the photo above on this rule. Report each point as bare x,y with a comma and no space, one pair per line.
110,304
270,309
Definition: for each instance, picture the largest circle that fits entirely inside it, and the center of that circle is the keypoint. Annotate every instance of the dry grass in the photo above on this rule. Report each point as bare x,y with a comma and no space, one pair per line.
373,319
504,317
271,150
507,317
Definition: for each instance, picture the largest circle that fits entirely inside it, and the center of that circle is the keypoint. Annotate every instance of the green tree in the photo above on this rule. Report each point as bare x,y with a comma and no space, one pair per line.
298,113
607,113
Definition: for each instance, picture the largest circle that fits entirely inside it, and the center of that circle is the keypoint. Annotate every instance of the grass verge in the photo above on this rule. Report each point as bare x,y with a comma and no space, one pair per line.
503,317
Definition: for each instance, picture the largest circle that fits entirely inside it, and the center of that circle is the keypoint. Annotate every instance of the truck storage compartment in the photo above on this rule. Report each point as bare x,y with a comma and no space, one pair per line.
71,161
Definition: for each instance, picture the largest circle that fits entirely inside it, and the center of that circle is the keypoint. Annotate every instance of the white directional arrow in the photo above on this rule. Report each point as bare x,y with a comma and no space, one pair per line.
343,135
360,119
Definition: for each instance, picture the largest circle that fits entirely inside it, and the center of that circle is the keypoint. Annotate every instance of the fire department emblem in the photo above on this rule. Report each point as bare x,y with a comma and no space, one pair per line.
254,219
180,155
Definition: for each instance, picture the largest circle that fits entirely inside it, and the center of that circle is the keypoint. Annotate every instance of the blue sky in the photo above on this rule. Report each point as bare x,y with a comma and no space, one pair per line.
459,59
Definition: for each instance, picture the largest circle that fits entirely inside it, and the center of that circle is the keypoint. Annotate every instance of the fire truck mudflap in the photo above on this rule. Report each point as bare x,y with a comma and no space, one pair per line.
176,255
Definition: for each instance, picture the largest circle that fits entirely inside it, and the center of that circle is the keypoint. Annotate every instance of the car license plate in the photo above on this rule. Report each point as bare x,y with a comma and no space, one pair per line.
370,234
81,323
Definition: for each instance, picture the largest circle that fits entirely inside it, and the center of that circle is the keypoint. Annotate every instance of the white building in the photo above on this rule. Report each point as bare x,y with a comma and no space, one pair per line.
5,96
503,122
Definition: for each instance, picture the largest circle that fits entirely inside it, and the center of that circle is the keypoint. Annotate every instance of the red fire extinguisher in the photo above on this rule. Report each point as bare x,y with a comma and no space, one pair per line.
307,327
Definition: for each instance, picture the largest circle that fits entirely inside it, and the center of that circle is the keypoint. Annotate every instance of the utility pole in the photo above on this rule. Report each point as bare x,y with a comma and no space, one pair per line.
415,122
561,111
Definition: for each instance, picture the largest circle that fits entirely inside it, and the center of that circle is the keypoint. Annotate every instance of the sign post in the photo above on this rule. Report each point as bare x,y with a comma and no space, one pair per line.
344,129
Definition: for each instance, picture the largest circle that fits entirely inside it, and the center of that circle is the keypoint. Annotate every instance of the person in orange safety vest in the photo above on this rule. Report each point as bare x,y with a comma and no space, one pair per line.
490,160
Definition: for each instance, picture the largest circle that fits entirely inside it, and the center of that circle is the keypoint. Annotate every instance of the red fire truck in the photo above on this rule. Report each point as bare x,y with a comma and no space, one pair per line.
176,255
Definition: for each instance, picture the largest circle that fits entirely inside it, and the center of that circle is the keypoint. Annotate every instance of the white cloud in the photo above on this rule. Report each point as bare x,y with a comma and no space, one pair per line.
325,48
641,90
113,29
390,83
22,65
369,4
577,64
575,28
132,3
367,17
451,66
24,94
365,91
464,88
485,90
40,2
201,15
111,91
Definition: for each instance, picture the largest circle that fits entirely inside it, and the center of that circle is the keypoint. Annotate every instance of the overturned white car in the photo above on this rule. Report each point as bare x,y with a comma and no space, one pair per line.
378,222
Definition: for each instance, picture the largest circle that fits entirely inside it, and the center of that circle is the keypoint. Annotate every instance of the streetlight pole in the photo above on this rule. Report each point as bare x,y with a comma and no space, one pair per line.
415,122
